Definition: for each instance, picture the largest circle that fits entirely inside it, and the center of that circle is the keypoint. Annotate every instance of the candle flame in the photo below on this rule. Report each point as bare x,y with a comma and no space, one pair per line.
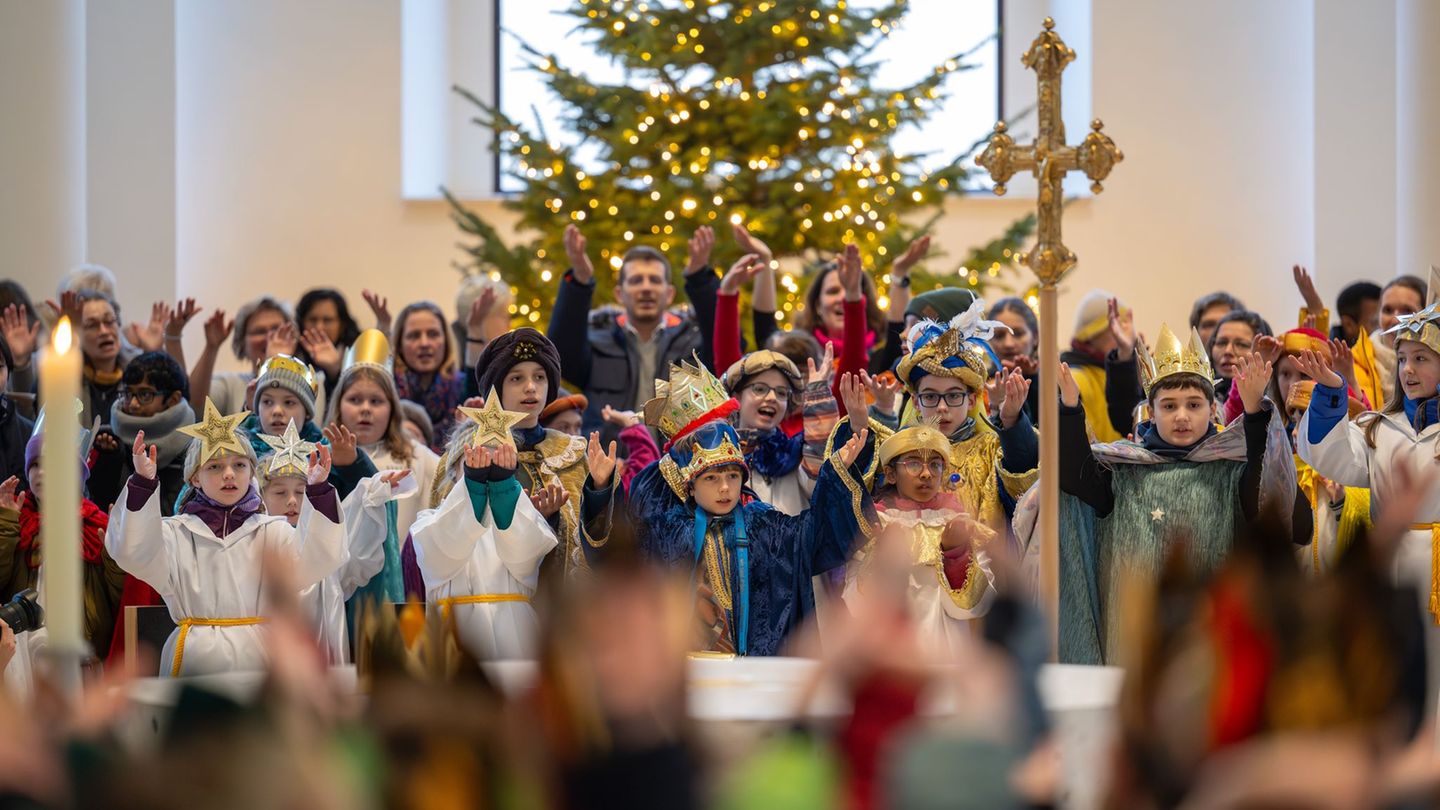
62,335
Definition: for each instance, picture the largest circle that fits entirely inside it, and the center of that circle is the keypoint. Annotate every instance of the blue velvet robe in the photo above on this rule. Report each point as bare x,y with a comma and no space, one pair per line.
785,550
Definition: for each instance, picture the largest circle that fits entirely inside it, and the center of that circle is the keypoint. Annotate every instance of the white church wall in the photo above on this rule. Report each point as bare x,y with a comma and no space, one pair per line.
287,167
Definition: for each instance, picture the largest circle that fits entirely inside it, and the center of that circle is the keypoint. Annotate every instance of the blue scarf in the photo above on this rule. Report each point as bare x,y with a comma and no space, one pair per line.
771,453
1422,412
739,540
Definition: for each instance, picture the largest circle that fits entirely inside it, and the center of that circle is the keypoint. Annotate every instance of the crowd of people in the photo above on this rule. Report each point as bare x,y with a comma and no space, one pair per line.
1248,525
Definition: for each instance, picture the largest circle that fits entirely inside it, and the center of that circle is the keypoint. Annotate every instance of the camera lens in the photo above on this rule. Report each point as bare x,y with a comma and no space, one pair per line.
23,613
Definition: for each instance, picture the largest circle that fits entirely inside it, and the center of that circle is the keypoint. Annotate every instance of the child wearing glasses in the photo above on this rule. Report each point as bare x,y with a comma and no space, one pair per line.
154,398
945,373
950,581
769,389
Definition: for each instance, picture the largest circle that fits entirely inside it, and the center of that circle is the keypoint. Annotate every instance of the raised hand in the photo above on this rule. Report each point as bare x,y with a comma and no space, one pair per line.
750,244
575,253
143,457
1306,285
1122,327
1252,375
393,478
1023,363
851,449
479,311
381,307
150,336
21,335
282,340
826,370
912,256
322,350
478,458
548,499
1269,348
342,444
505,456
600,462
742,272
319,465
1069,389
851,268
69,307
1344,362
106,442
1016,390
217,330
618,417
10,497
1315,366
180,316
885,388
852,398
701,245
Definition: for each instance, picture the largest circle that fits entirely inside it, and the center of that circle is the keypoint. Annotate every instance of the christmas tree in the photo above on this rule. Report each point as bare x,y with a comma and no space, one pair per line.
763,113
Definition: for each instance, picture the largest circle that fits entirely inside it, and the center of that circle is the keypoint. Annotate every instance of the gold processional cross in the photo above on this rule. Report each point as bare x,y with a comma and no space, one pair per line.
1049,158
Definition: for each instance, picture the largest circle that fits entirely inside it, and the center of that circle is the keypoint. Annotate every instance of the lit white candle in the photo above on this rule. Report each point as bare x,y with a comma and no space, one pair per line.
60,507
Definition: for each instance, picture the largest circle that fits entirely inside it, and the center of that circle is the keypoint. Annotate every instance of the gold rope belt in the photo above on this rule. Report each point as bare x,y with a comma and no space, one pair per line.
1434,529
186,624
480,599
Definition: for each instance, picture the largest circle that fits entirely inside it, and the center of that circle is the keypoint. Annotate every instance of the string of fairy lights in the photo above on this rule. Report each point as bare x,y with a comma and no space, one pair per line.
763,114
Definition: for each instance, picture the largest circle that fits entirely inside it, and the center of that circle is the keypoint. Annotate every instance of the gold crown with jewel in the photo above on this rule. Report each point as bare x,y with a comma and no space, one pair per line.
371,348
705,458
690,393
1170,357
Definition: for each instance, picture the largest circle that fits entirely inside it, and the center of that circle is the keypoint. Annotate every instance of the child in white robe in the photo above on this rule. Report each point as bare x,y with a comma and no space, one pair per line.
206,562
480,554
282,487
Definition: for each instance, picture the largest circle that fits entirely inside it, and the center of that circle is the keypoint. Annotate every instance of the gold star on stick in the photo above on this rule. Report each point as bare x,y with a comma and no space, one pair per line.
291,452
217,433
493,422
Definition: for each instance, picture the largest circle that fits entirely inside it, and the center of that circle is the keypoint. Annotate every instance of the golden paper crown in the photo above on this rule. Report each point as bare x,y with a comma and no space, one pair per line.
727,452
286,363
372,348
758,362
690,393
1171,357
911,439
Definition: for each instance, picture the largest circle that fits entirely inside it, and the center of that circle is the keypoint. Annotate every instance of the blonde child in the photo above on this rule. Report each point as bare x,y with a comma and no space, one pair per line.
206,561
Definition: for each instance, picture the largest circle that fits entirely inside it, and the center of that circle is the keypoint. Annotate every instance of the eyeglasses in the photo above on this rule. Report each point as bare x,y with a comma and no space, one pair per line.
916,466
93,324
761,390
143,396
930,399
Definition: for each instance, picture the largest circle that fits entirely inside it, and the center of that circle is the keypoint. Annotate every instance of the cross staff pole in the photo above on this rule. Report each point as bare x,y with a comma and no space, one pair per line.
1049,158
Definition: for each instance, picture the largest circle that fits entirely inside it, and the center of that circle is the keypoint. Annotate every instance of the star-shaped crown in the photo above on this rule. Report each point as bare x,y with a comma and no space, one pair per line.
218,435
493,423
291,454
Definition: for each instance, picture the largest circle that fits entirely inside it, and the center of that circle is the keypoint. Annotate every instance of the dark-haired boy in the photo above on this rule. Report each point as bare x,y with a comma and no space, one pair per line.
1126,505
154,397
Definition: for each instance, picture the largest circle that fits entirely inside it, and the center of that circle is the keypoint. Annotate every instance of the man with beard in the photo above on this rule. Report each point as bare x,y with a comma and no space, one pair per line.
613,358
